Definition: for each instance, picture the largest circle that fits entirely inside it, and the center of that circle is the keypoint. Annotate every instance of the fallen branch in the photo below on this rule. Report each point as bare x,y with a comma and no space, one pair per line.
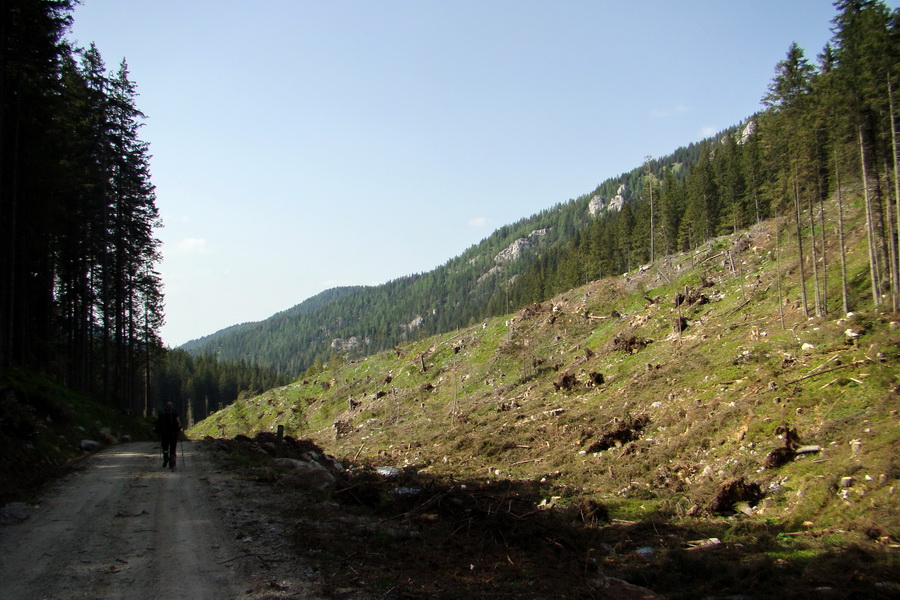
739,307
706,260
855,363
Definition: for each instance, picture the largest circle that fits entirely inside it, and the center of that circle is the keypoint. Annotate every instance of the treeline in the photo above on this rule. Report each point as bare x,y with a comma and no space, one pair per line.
803,146
81,299
201,385
822,128
356,321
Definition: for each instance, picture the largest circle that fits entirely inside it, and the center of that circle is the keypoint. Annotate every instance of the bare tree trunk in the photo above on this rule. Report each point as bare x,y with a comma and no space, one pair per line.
870,226
824,248
892,246
652,238
778,271
148,387
815,258
840,203
800,250
895,234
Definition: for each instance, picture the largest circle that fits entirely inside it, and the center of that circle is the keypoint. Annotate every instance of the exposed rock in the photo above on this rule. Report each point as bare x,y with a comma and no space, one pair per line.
89,445
346,345
747,131
289,463
307,474
388,471
490,273
597,205
618,201
515,250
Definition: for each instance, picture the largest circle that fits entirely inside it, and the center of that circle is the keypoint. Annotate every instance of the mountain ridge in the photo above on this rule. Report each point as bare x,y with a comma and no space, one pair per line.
481,281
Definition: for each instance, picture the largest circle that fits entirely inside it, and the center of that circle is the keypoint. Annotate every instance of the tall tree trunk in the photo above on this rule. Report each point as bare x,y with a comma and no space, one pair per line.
800,250
892,245
822,195
840,203
8,256
895,234
148,388
652,239
815,258
870,225
778,271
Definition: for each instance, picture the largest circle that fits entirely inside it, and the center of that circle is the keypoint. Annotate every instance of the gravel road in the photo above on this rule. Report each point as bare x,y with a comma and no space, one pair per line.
123,527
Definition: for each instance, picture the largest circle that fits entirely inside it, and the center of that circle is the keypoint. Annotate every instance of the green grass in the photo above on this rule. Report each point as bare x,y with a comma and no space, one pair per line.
715,395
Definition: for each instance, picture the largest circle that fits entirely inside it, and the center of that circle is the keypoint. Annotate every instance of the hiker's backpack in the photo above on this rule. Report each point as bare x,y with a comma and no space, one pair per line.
167,424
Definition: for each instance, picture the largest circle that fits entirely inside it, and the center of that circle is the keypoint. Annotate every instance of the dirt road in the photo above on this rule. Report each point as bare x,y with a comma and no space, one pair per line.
123,527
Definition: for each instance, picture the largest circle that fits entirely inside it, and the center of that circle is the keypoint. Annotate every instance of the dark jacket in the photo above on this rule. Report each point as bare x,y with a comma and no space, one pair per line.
167,423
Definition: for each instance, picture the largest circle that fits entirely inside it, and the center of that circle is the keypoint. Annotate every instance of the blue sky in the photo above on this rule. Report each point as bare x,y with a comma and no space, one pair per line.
301,145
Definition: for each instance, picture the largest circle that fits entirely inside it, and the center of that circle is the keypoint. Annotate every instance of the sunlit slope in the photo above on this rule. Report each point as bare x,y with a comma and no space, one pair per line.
600,392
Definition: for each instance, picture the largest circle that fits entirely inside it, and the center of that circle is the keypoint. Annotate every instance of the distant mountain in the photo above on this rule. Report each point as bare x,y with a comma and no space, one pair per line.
309,305
822,132
484,281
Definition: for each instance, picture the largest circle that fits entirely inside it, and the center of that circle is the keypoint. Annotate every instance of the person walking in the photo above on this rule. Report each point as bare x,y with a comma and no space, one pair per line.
168,426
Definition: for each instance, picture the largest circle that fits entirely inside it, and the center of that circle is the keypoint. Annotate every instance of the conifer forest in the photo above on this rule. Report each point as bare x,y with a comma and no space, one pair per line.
82,302
826,122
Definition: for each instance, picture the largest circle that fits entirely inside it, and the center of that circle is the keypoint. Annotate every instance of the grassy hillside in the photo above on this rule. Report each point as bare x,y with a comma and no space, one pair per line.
597,396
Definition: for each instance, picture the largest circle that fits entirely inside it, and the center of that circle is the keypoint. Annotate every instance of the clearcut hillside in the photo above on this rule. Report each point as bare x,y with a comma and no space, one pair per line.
689,392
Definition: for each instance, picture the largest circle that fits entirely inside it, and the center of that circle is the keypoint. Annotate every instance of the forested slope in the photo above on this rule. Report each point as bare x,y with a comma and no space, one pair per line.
485,280
820,125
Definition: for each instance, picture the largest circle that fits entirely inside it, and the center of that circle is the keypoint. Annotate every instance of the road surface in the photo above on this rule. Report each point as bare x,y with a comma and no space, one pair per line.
122,527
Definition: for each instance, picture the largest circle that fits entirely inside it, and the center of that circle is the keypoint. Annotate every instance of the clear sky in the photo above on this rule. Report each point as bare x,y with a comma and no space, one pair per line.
301,145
